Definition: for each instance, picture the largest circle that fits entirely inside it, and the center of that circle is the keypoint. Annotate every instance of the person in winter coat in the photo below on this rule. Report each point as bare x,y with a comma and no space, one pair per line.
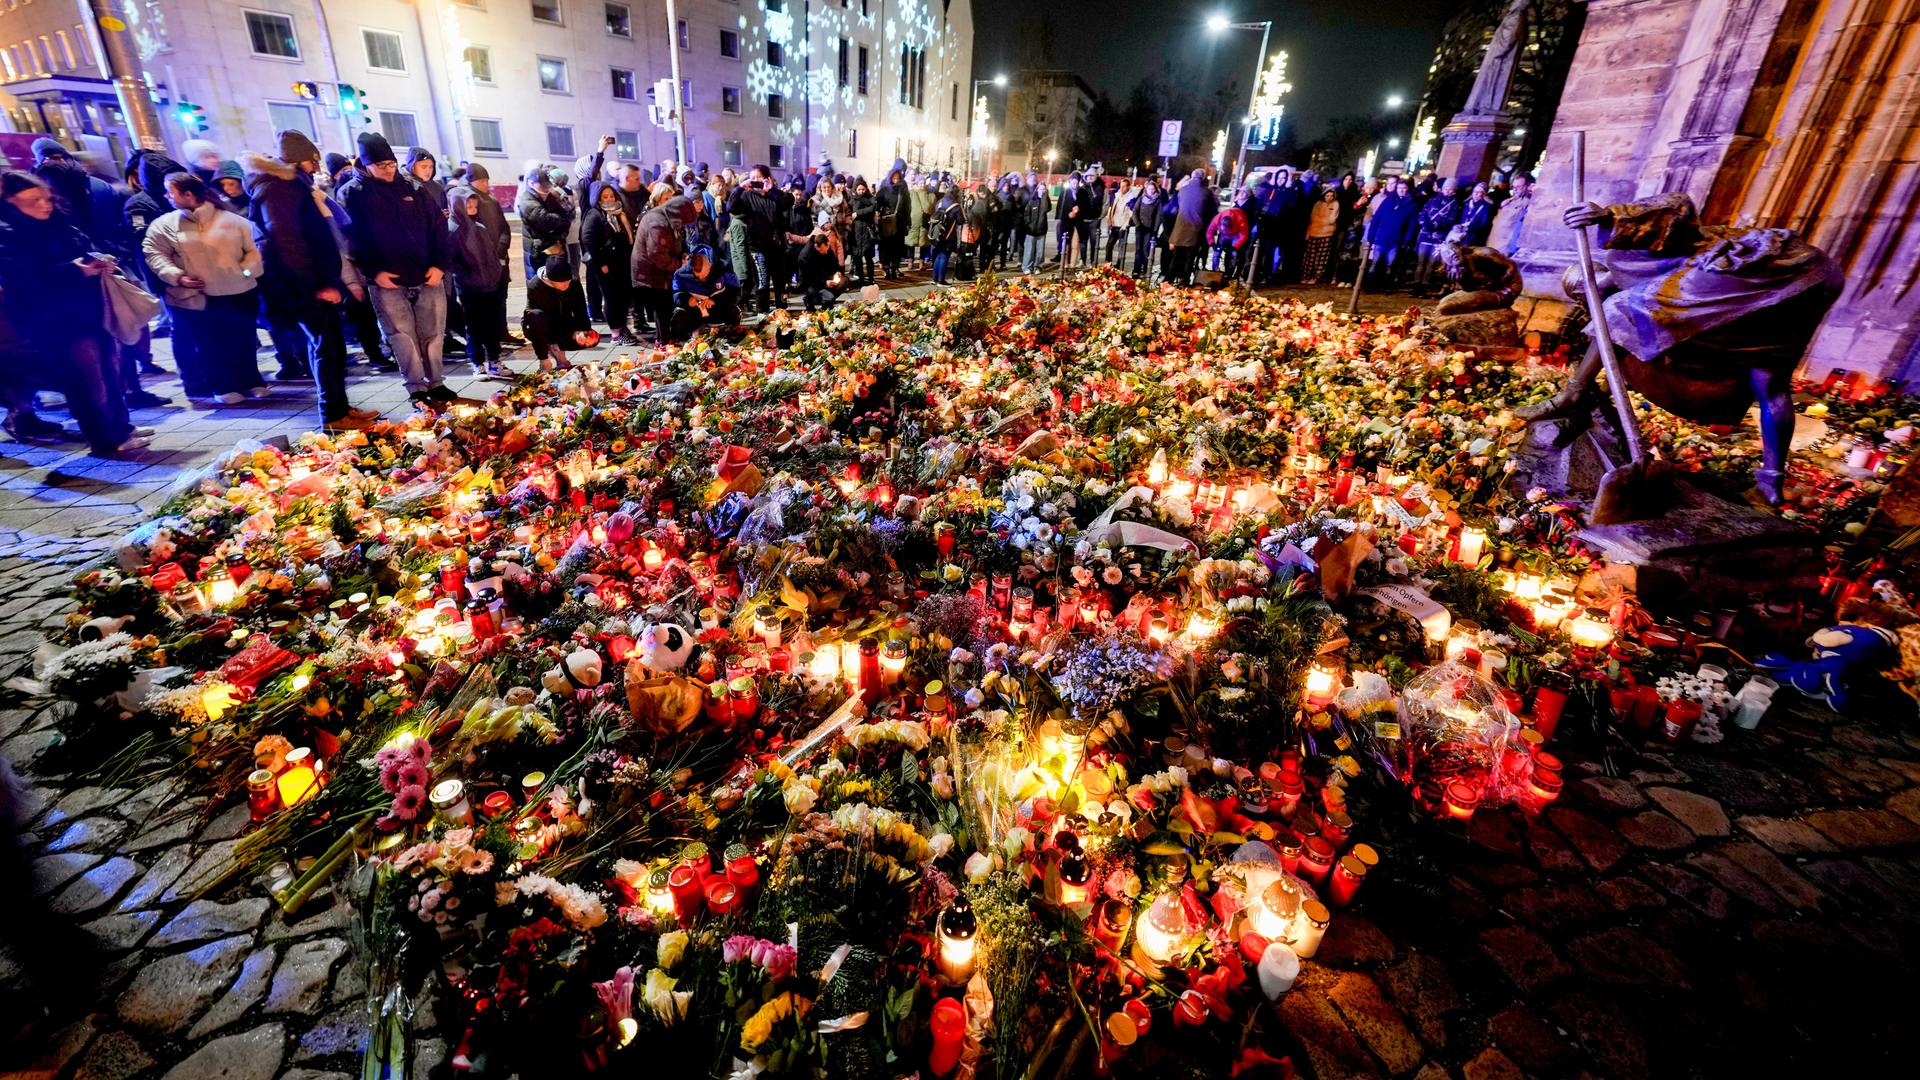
553,323
943,232
756,208
921,198
1437,219
1227,234
1322,223
230,184
543,220
865,232
494,327
1067,211
1093,208
49,278
1194,207
893,216
606,240
1036,209
99,210
1119,221
401,244
819,273
704,294
205,257
658,250
478,272
303,285
1504,236
203,159
1476,219
1147,206
1393,230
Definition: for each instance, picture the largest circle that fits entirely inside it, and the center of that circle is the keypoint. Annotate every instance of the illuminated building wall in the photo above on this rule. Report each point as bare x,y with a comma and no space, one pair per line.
789,83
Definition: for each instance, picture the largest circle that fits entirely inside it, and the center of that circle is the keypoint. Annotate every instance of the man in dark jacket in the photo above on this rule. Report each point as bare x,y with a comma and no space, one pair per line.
658,248
704,294
1036,207
553,323
1393,230
819,272
140,210
544,220
400,242
1437,218
1093,207
494,219
300,284
764,209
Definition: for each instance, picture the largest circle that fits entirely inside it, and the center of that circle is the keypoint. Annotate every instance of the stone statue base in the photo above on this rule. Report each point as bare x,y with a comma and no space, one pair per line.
1703,549
1493,328
1470,147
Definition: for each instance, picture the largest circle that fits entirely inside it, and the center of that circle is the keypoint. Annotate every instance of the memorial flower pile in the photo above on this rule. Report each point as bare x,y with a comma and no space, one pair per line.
1021,677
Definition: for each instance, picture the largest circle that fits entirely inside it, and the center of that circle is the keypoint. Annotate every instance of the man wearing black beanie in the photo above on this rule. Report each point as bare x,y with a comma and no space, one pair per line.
401,245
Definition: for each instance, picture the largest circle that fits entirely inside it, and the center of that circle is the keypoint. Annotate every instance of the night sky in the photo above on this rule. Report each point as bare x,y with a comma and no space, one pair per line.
1342,57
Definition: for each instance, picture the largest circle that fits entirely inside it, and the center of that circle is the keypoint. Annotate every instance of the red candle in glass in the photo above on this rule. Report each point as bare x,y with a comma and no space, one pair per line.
1548,704
1316,860
1646,702
723,898
688,896
1289,846
1621,698
1546,783
744,873
1461,798
1681,716
949,1028
263,795
1345,881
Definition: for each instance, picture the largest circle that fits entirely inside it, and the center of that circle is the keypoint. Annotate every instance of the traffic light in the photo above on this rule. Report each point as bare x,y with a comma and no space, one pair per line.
193,118
306,91
352,104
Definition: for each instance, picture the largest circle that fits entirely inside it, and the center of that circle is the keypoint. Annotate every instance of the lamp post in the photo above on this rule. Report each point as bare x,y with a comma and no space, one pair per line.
1220,24
973,109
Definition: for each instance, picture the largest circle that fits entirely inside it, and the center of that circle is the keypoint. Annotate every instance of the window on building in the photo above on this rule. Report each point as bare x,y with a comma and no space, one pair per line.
777,106
863,69
729,44
400,128
66,48
560,141
291,116
384,51
480,63
853,142
730,153
686,93
776,153
913,76
272,35
546,11
487,137
954,110
846,61
6,65
776,56
776,5
626,145
623,85
681,34
730,100
80,44
619,20
553,74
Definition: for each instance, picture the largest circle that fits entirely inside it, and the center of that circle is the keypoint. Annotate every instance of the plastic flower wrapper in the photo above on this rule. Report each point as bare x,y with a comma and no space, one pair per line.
1456,729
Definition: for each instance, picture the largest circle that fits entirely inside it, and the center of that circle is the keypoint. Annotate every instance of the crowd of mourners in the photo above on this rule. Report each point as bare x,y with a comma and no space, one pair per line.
411,261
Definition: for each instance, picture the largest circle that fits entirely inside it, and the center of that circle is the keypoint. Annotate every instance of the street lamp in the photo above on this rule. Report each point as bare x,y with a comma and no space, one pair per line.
1218,24
973,109
1394,101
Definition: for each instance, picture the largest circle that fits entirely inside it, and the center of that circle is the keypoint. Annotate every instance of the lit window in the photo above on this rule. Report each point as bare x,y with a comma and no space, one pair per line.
619,20
730,152
479,63
730,100
553,74
623,85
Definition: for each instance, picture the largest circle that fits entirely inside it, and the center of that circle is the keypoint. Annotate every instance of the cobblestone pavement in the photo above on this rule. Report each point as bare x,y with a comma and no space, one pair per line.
1748,907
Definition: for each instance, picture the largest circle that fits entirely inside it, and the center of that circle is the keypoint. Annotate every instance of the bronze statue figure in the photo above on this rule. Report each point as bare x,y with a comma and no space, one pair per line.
1480,310
1707,318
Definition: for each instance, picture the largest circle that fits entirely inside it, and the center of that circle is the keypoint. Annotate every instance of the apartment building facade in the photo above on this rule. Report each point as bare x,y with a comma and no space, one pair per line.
788,83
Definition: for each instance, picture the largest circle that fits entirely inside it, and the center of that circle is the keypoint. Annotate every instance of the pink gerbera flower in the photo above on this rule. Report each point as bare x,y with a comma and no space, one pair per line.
408,803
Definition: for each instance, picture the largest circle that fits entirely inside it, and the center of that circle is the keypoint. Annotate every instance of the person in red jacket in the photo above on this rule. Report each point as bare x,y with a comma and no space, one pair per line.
1227,235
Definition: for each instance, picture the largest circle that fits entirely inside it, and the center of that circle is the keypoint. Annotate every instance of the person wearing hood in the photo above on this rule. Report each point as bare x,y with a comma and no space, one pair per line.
1036,209
495,220
205,256
921,198
606,238
658,250
303,286
478,272
424,167
544,219
555,324
49,278
704,294
893,218
400,244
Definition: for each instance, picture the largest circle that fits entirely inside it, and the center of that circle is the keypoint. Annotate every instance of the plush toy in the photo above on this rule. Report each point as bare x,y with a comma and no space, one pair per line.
664,646
579,671
1846,658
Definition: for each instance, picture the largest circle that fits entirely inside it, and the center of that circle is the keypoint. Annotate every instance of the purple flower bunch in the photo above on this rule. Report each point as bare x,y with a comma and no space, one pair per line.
779,961
404,773
1101,673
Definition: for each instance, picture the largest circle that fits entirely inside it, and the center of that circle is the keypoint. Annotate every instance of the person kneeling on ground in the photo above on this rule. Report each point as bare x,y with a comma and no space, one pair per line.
704,294
820,277
551,324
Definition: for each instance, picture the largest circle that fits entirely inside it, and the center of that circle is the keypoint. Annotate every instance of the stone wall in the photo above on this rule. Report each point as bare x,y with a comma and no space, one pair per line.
1780,113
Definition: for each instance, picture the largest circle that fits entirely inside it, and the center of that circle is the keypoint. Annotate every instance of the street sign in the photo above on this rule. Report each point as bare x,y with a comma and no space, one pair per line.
1170,137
